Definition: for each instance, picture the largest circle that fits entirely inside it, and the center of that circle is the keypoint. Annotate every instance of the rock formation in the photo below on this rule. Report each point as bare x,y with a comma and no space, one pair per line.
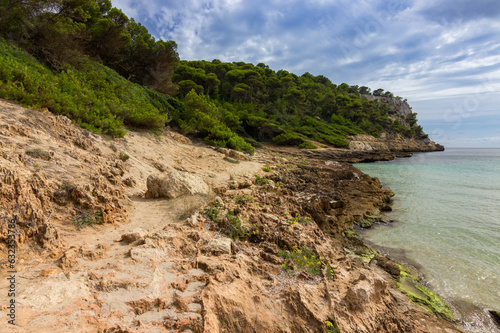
108,244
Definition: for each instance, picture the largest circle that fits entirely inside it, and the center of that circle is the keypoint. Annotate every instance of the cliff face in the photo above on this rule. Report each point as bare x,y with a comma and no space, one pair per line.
392,143
401,107
401,112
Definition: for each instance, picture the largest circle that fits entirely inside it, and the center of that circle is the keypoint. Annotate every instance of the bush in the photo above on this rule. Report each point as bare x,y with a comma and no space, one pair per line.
86,219
289,139
307,145
93,95
38,153
203,117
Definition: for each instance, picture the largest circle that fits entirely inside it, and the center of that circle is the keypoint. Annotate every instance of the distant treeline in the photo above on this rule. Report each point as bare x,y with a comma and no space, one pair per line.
89,61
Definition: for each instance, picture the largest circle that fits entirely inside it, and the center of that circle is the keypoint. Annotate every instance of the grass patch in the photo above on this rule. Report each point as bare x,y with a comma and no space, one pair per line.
261,181
242,200
301,259
237,230
38,153
266,169
124,157
212,211
86,219
300,219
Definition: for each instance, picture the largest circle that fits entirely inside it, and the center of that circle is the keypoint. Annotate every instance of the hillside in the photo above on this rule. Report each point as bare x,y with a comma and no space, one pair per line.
90,62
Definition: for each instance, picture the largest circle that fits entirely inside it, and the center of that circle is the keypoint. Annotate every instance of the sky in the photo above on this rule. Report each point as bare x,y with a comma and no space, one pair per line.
441,55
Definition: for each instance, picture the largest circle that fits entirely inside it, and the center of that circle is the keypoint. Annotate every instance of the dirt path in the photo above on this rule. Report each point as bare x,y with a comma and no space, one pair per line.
139,282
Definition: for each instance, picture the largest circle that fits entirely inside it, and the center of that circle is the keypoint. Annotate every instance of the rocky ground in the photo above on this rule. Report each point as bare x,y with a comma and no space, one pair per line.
154,233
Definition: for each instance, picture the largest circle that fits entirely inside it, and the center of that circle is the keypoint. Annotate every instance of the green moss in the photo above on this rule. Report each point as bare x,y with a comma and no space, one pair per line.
410,284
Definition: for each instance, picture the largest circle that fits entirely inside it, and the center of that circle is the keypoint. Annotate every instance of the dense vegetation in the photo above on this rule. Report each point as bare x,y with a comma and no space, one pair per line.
88,61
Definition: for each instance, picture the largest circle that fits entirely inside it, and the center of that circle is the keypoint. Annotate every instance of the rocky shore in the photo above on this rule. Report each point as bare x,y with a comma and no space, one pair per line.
159,234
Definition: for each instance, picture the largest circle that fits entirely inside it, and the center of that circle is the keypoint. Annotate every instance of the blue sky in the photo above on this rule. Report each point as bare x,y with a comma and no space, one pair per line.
442,55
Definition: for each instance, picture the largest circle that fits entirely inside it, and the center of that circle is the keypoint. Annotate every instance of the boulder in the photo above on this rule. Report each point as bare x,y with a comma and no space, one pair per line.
134,236
174,185
387,265
218,246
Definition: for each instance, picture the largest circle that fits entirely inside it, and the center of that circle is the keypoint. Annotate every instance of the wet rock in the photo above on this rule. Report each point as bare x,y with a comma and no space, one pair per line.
385,208
387,265
496,317
174,185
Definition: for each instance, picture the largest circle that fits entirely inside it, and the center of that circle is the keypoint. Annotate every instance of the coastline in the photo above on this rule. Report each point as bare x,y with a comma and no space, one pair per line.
472,316
250,259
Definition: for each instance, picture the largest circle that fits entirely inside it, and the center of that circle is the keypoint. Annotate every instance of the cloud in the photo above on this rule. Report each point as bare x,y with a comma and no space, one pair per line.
452,11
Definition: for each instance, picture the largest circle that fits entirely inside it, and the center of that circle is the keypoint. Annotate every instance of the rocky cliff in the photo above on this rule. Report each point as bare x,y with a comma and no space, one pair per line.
119,236
394,143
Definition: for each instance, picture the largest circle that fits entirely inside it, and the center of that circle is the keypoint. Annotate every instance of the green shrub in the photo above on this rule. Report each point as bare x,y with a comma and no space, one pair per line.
302,259
93,95
330,327
212,211
203,117
288,139
261,181
307,145
236,229
299,219
38,153
124,157
86,219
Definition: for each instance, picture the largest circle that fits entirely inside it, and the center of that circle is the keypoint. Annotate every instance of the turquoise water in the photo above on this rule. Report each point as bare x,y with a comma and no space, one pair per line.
447,207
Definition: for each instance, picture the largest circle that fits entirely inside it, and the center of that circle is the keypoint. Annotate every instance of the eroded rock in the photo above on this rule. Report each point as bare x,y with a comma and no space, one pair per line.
218,246
174,185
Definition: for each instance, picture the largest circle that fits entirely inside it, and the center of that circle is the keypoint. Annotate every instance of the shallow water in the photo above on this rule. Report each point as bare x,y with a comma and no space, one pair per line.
447,205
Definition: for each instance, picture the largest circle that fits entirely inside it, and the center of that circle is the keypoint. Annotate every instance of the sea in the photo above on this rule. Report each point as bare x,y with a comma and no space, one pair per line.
447,223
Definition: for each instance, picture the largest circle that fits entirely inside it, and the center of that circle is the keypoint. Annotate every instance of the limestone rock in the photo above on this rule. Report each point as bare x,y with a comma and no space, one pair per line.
233,154
53,291
218,246
134,236
174,185
180,138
